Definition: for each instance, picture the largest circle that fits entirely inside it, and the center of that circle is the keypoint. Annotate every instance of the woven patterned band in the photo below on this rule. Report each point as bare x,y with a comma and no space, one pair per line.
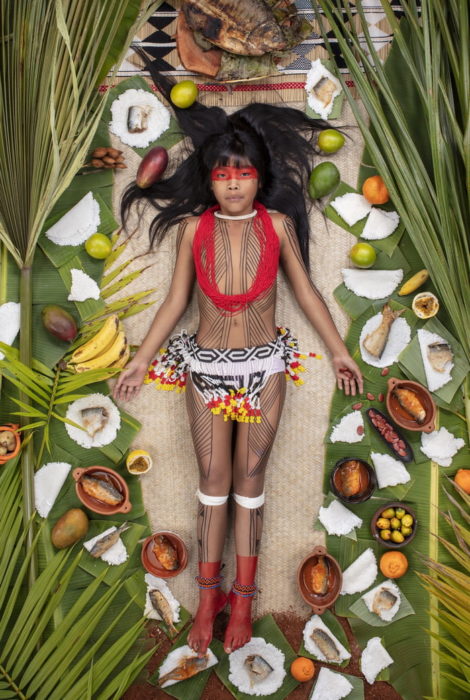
208,582
244,591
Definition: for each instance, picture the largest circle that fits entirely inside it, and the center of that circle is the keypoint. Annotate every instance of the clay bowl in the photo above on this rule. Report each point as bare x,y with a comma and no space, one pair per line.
107,475
9,455
402,417
319,603
150,561
376,531
368,481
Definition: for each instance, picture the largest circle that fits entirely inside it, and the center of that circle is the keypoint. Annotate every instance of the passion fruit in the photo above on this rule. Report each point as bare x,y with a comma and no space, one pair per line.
425,305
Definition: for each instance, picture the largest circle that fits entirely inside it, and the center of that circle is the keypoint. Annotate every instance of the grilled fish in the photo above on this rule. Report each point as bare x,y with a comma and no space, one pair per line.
187,667
104,543
350,478
325,644
101,490
162,606
94,419
324,90
409,401
258,668
383,600
165,553
319,576
244,27
439,354
376,341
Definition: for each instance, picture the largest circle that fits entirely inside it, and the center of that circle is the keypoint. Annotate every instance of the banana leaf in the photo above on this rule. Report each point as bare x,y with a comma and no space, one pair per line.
266,628
169,138
387,245
337,630
360,610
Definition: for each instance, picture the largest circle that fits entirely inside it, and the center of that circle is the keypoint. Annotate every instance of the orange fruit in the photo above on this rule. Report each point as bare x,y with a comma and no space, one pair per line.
374,190
462,479
393,564
302,669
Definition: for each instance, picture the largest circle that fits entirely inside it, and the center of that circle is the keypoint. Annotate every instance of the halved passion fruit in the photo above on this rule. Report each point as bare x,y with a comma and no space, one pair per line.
425,305
138,462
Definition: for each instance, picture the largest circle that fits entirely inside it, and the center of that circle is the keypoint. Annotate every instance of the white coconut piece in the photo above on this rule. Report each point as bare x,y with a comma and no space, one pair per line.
316,622
346,429
314,75
83,286
158,119
238,674
102,437
330,686
78,224
337,519
158,584
177,655
368,599
435,380
380,224
48,482
398,338
374,659
9,323
441,446
115,555
372,284
361,574
351,207
388,470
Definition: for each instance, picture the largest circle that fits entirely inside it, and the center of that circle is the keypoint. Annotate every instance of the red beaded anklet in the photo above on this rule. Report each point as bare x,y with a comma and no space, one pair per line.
208,582
244,591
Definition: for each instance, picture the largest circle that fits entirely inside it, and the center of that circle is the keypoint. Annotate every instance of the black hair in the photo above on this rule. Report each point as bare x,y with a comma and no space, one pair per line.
277,140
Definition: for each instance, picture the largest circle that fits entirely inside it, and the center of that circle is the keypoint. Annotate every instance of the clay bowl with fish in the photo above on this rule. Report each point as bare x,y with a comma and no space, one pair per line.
394,525
390,434
102,490
319,579
353,480
164,554
411,405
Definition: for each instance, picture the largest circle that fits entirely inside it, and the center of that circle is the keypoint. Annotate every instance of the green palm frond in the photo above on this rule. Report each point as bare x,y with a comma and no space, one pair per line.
49,657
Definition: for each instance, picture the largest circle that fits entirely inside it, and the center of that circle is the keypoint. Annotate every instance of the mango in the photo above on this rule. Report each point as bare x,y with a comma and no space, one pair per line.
59,323
71,527
152,167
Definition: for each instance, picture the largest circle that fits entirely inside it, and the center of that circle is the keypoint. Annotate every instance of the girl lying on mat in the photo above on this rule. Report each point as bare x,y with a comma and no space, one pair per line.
239,201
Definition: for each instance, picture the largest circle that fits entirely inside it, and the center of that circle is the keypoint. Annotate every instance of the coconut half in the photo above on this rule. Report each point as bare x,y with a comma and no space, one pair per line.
380,224
372,284
80,222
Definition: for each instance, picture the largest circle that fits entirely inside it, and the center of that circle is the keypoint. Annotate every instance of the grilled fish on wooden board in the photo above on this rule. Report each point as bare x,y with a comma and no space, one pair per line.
245,27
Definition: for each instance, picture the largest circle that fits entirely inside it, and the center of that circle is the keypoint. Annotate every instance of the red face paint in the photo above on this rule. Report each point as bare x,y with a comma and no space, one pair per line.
228,172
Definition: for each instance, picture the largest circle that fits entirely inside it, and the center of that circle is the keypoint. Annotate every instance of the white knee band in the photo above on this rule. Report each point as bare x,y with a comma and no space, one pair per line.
249,502
211,500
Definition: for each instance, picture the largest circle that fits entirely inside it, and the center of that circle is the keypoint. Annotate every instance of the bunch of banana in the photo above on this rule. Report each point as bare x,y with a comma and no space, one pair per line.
107,348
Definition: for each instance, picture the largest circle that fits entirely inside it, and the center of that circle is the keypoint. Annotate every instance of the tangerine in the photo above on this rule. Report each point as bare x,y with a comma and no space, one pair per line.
462,479
375,191
302,669
393,564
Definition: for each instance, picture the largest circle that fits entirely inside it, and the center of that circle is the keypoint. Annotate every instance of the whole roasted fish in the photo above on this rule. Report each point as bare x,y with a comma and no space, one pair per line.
165,552
383,600
325,643
376,341
411,403
319,576
258,668
187,667
101,490
245,27
162,606
106,542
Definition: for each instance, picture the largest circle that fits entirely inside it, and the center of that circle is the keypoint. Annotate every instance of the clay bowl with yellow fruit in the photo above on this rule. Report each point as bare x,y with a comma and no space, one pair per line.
319,579
394,525
411,405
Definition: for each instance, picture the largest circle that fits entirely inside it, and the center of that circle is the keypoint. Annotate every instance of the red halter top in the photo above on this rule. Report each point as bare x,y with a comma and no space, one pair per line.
204,249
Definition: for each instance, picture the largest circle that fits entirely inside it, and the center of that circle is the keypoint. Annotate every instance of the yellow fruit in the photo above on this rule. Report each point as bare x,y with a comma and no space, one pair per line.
413,283
405,531
138,462
184,94
105,359
330,140
397,537
385,534
302,669
99,342
394,523
407,520
363,255
389,513
425,305
399,513
98,246
383,524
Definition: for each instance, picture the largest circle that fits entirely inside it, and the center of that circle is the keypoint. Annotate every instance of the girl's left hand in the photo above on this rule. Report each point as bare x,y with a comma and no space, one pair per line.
348,374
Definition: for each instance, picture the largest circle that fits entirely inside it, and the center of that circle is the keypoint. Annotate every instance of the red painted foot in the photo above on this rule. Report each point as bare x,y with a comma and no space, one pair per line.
211,603
238,630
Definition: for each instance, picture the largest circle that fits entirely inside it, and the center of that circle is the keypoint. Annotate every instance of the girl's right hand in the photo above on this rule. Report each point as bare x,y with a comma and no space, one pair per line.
130,380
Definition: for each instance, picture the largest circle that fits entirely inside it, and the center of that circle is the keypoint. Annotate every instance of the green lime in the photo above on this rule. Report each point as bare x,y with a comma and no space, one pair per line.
184,94
330,140
324,178
98,246
363,255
